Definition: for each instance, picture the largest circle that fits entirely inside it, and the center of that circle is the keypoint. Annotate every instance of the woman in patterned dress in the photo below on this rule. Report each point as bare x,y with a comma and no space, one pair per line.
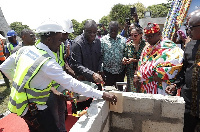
132,52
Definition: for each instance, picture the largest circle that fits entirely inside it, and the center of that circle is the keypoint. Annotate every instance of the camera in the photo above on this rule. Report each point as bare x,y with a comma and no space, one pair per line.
128,21
133,11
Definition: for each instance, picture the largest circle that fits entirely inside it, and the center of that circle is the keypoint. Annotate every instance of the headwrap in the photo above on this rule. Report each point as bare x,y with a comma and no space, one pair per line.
155,28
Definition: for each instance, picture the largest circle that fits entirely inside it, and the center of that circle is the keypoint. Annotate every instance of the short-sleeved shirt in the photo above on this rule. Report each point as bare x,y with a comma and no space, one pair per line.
112,53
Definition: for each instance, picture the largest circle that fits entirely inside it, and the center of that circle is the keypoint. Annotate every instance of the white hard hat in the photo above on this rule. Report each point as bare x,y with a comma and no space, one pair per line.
67,25
2,37
49,26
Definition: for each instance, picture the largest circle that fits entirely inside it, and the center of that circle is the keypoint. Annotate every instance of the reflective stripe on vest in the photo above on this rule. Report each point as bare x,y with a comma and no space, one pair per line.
10,47
61,62
28,61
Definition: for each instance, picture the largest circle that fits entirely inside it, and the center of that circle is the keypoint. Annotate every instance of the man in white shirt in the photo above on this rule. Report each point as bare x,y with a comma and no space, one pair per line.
50,34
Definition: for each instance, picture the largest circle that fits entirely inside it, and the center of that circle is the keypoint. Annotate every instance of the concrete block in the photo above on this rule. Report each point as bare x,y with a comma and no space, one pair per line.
96,124
119,105
107,126
173,107
150,126
139,105
82,125
91,122
105,110
120,122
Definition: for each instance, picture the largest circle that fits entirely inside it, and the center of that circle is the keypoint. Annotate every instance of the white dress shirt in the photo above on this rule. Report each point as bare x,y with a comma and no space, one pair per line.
49,71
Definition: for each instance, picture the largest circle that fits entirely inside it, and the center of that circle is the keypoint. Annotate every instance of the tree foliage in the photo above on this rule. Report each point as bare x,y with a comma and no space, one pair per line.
105,20
119,13
18,27
78,28
76,32
159,10
140,9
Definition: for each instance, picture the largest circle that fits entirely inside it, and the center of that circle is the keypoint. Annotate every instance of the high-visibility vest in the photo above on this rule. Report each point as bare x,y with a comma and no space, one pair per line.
37,41
61,62
10,47
29,61
2,57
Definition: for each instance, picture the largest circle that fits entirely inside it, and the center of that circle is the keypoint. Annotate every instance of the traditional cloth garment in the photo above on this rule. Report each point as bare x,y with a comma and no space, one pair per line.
163,59
130,52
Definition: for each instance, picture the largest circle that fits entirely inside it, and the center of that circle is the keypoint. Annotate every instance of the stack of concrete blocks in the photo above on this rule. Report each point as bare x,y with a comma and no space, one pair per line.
96,120
136,112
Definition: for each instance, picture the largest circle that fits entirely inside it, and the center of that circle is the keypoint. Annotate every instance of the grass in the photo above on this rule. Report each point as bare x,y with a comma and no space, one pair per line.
4,92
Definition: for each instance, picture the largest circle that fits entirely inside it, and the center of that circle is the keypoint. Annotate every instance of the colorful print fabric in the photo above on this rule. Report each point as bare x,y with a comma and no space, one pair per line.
163,59
112,53
130,52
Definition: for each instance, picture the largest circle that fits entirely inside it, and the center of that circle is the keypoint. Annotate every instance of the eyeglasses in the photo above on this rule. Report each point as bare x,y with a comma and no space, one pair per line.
150,36
190,28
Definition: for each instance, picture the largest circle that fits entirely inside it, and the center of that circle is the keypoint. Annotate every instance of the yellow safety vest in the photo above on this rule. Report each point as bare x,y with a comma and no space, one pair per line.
61,62
10,47
37,41
29,61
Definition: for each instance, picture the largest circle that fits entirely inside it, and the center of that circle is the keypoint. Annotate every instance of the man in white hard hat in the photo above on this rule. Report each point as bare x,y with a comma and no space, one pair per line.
32,69
68,28
58,105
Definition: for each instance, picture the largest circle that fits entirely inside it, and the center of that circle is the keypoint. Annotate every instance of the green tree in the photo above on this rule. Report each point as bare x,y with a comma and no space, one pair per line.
105,20
119,13
159,10
76,32
78,28
18,27
140,9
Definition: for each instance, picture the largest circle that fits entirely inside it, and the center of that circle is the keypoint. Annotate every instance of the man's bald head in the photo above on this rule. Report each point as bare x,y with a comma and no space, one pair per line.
194,25
89,24
90,30
194,18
